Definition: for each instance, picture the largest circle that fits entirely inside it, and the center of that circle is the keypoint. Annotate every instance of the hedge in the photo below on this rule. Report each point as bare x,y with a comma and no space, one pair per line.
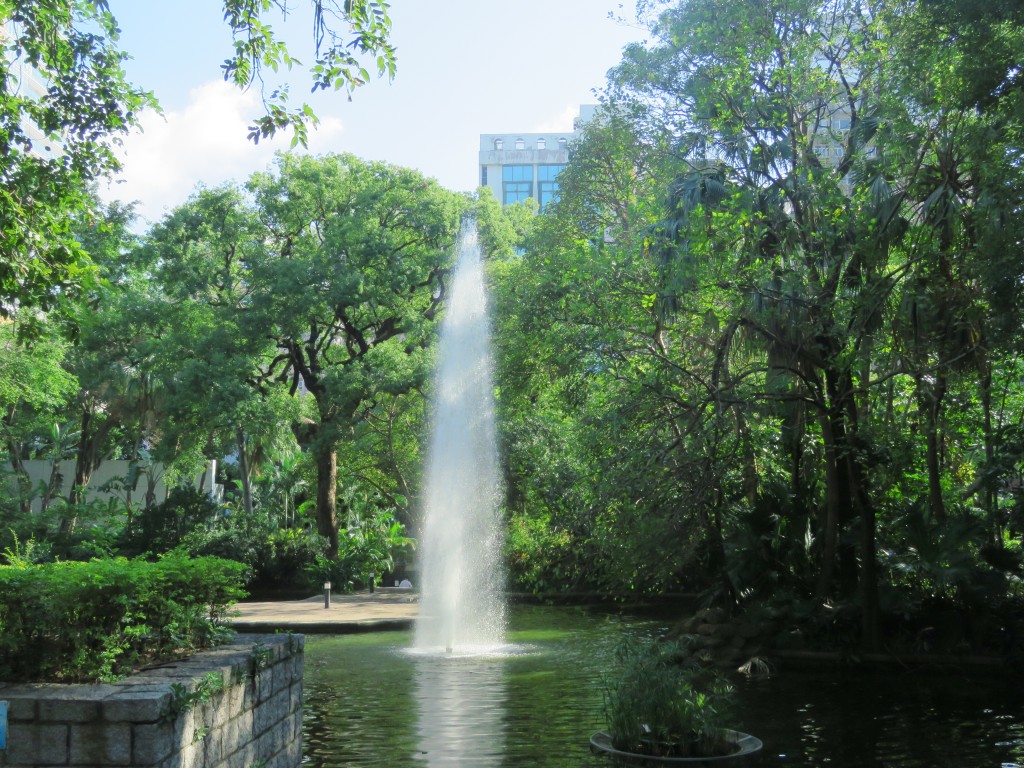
83,622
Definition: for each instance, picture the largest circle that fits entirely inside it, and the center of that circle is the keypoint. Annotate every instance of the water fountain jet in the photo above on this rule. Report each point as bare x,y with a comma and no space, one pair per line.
462,605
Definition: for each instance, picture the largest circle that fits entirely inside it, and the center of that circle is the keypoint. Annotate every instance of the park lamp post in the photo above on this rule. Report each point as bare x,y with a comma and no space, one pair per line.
327,594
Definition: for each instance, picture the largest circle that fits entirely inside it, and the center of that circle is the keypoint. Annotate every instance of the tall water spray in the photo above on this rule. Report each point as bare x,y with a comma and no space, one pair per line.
462,606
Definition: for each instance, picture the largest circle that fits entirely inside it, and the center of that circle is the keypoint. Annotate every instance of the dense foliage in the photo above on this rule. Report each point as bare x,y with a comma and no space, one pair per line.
655,705
65,103
285,324
766,343
63,100
72,622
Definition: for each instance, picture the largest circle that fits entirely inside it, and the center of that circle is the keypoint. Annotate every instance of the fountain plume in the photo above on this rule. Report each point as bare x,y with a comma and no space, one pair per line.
462,607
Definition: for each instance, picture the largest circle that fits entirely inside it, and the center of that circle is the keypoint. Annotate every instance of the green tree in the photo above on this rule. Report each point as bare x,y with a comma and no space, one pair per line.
591,467
826,242
786,216
200,256
732,345
54,144
319,284
348,286
35,389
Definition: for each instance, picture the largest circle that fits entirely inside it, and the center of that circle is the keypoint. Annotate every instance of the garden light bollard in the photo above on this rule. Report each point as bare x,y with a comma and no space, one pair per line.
373,578
327,594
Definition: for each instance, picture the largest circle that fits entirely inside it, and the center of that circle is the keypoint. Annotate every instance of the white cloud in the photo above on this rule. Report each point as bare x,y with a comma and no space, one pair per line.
205,142
560,123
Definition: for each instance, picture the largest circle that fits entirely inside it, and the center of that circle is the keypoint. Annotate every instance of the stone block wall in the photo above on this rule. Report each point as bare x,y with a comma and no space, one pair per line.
237,706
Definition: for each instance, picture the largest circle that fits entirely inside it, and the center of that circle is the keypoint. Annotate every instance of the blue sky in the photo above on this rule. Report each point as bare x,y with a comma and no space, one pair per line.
465,67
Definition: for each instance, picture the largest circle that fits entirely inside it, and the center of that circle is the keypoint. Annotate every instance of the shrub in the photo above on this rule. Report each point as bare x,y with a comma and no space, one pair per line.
370,548
277,558
161,528
81,622
97,526
540,556
658,706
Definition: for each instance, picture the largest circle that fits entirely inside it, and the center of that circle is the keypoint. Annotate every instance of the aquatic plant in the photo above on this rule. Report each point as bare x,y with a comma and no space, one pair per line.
657,704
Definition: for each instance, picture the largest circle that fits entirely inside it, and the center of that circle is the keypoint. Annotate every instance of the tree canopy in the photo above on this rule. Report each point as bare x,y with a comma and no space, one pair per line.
772,309
65,103
765,344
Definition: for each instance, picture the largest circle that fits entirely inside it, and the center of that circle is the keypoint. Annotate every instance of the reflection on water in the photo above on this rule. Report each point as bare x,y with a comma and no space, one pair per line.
900,720
370,703
461,707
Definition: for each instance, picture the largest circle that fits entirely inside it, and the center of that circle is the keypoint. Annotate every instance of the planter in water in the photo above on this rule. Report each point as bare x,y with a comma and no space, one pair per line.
743,745
662,709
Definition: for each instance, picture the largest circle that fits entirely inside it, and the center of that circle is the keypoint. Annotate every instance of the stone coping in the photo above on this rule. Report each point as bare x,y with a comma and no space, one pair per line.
145,696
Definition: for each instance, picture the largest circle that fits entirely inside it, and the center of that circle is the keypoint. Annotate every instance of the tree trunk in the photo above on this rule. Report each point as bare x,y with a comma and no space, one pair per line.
930,404
750,479
839,507
868,578
792,434
20,471
988,492
244,470
86,462
857,480
327,498
829,527
150,489
54,483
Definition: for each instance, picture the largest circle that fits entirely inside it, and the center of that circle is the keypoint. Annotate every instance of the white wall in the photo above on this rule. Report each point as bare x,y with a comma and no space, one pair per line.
39,471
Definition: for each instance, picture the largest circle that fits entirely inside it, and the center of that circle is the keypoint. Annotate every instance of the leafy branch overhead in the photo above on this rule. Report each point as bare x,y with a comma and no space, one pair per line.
341,58
65,103
55,142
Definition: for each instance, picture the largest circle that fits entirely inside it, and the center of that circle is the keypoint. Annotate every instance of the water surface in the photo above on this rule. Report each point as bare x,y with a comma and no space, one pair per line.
372,703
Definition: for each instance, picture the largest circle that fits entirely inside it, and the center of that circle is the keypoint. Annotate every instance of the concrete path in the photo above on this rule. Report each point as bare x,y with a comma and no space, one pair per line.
387,608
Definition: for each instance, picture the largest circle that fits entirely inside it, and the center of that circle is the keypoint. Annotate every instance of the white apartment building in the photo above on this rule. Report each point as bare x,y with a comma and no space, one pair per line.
25,80
525,166
31,84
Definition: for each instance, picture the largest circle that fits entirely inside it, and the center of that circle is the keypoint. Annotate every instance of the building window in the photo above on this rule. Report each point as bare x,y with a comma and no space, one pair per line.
499,143
542,143
520,144
562,142
483,175
547,184
516,183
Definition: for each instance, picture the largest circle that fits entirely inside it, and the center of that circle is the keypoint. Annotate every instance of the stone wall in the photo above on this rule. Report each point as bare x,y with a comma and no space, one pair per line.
237,706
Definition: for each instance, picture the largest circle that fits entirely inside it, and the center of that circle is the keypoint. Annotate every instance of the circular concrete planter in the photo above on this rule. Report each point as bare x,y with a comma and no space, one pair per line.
601,743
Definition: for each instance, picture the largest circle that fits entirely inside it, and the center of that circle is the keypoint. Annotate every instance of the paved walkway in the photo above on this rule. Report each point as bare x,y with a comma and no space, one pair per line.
387,608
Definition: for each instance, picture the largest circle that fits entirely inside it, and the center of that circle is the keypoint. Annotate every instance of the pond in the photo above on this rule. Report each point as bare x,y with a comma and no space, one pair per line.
370,702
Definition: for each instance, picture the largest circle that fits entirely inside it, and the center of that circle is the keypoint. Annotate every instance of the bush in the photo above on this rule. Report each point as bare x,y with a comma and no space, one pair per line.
95,532
658,706
277,558
540,556
369,549
161,528
82,622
